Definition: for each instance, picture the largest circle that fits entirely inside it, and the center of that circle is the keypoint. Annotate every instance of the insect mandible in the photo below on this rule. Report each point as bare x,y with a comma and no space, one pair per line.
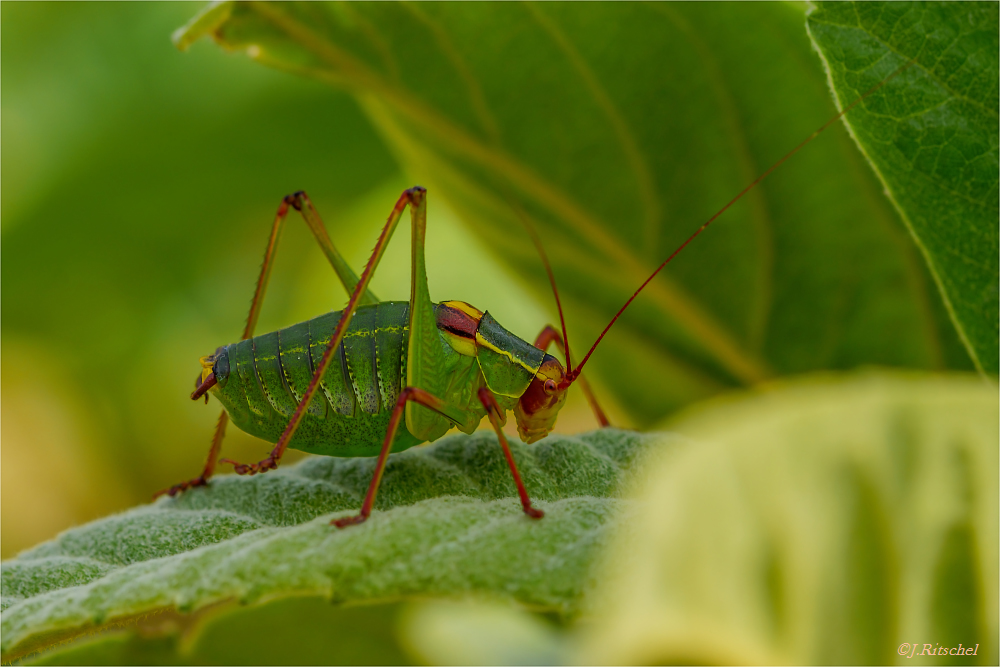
381,377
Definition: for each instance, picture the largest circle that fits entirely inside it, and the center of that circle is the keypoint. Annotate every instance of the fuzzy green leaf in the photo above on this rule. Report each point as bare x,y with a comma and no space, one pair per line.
820,522
932,137
447,524
619,129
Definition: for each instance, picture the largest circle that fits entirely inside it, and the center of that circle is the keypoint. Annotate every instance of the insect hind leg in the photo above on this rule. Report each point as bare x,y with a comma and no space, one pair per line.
300,202
413,196
408,394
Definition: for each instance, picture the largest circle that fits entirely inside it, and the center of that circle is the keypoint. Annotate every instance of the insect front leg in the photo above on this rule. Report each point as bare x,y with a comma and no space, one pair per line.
551,335
493,412
300,202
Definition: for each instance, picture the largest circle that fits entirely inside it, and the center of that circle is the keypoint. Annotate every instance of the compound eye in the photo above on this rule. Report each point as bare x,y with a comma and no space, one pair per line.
550,386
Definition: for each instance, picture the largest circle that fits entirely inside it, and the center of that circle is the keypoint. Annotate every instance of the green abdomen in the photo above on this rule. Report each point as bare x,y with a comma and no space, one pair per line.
349,415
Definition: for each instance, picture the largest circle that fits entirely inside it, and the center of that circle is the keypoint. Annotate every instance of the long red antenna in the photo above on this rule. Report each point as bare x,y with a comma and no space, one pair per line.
548,269
572,375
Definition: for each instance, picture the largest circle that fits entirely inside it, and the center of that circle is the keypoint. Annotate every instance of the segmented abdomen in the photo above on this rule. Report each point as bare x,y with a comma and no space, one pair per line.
364,375
358,390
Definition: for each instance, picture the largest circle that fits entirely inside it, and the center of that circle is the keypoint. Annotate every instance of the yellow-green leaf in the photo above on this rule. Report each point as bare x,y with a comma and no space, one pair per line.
824,521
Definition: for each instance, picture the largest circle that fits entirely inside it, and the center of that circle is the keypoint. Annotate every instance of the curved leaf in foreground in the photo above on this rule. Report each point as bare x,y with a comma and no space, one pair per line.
448,525
931,136
824,522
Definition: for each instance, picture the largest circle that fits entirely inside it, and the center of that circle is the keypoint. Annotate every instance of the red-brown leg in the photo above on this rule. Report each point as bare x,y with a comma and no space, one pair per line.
255,306
300,202
213,456
551,335
493,412
408,394
358,295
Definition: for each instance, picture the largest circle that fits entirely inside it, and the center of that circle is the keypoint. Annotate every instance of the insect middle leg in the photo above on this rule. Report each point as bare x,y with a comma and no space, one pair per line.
300,202
551,335
413,394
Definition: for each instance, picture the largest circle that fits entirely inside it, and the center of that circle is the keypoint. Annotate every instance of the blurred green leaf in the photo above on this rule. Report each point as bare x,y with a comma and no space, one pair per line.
287,631
208,20
823,521
932,137
619,129
448,524
478,632
138,190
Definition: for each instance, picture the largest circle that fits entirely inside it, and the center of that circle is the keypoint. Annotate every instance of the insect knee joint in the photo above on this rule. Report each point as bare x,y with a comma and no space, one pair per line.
295,199
416,194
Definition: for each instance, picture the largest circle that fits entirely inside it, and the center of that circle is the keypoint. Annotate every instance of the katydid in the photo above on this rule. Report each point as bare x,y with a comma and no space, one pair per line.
381,377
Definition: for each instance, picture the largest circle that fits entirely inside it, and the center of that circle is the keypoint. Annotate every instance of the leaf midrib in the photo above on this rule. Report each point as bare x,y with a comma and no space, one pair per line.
714,337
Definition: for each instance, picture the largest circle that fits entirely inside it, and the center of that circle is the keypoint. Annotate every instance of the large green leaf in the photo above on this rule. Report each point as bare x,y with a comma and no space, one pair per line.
448,523
821,522
932,137
619,129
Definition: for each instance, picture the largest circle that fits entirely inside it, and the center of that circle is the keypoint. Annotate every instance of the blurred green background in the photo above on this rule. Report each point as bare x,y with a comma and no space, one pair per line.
139,187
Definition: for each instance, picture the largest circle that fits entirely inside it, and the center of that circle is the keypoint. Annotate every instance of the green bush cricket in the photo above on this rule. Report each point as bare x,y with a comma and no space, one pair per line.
381,377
